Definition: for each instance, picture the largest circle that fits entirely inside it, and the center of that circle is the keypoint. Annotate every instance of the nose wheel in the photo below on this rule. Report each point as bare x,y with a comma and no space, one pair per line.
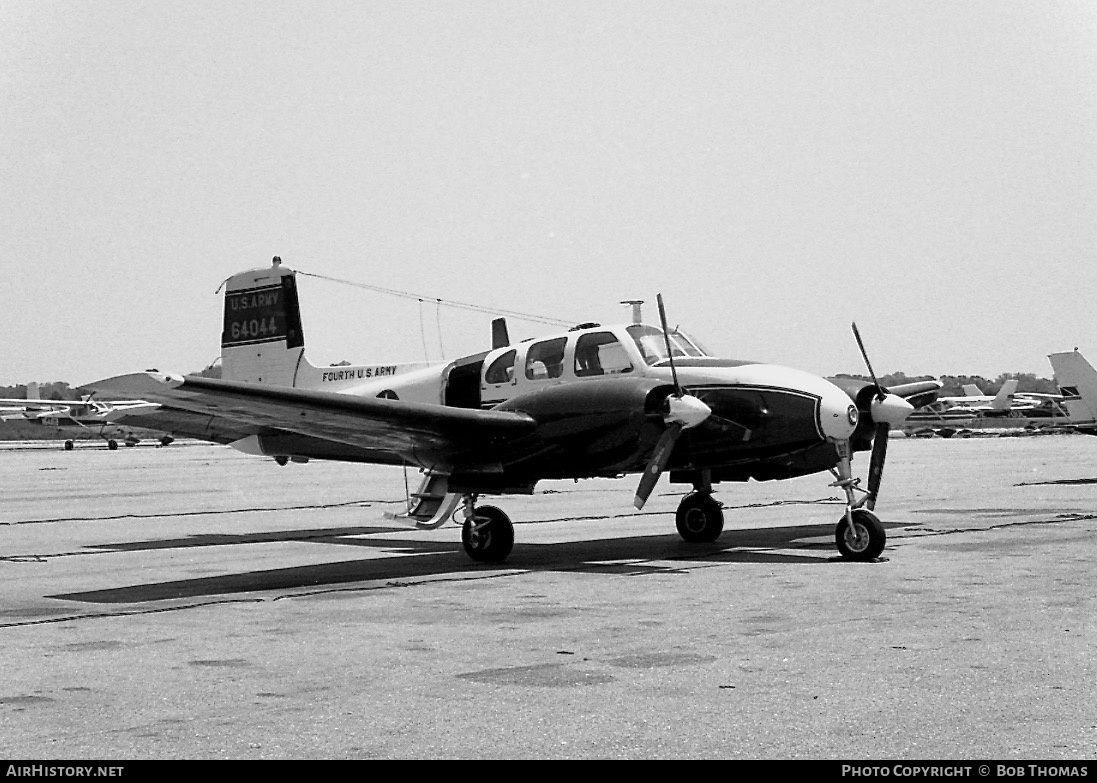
860,535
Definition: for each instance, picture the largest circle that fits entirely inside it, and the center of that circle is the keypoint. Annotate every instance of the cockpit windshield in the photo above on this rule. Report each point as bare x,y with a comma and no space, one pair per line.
653,346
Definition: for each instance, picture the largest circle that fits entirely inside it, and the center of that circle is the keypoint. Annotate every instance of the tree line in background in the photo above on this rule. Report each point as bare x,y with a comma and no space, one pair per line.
953,384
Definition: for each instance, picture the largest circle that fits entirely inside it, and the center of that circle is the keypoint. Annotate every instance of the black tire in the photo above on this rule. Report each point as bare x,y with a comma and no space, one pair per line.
865,541
488,536
69,445
112,444
700,518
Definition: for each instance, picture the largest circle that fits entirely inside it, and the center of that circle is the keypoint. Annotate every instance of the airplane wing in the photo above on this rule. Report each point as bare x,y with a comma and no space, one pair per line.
917,393
37,404
232,409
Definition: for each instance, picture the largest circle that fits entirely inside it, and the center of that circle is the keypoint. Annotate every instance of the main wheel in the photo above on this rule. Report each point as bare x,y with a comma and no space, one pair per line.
488,535
112,444
700,518
865,540
69,445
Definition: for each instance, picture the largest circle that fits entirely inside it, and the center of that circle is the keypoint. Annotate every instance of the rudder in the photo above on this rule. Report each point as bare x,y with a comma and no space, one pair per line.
262,340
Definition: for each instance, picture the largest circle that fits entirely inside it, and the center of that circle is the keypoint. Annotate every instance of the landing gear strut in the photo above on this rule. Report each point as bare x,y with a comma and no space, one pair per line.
487,533
859,534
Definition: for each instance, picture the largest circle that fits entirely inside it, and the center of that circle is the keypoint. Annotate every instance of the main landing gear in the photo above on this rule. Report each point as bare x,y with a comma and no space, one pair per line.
111,444
700,517
487,533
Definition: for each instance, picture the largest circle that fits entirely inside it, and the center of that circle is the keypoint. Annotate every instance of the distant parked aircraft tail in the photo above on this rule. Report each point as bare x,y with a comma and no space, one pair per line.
1003,400
1077,382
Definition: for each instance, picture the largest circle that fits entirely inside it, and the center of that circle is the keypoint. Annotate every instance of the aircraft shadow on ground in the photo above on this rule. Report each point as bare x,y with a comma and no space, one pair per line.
631,556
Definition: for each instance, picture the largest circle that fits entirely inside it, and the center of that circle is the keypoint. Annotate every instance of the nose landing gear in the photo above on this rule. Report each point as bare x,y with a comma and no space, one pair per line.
859,534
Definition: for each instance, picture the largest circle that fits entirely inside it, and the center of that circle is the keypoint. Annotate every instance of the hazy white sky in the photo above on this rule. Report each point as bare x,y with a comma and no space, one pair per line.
775,169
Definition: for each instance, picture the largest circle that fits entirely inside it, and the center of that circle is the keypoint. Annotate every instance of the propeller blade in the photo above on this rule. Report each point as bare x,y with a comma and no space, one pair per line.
876,463
886,409
868,364
727,427
659,458
666,339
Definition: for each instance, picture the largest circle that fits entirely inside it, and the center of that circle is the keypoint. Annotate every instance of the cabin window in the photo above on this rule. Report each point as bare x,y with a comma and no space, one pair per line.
502,369
545,359
653,346
600,353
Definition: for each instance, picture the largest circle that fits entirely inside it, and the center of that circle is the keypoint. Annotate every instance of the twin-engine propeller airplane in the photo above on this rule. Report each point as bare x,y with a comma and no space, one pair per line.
596,401
80,418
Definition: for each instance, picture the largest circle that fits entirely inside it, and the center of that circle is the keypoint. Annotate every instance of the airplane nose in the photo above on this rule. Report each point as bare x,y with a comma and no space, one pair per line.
837,415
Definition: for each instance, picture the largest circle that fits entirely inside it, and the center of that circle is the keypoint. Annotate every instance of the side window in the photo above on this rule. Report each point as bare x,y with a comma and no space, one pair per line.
546,359
600,353
502,369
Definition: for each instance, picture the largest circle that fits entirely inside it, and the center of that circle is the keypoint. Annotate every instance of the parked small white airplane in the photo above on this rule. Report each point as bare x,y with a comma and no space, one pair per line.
975,400
74,418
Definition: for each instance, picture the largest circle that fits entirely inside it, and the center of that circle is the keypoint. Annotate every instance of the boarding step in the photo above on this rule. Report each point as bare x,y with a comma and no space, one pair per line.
431,505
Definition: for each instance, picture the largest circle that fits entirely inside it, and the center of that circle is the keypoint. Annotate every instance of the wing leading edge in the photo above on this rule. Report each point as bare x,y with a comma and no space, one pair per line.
414,431
917,393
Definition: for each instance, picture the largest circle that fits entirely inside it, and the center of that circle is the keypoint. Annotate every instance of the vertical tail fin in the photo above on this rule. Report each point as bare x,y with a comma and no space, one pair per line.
1078,384
1003,400
262,340
500,337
